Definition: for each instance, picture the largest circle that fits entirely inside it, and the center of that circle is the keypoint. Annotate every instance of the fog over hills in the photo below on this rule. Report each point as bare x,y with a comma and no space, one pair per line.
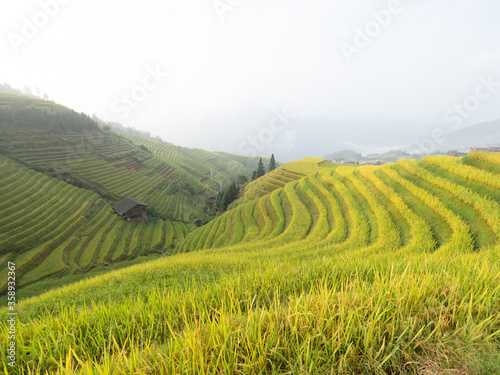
252,130
202,74
266,131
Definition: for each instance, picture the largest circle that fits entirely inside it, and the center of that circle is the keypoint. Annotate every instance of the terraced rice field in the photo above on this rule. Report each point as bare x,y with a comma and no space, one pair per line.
113,167
61,173
51,228
431,204
69,146
280,177
211,169
369,270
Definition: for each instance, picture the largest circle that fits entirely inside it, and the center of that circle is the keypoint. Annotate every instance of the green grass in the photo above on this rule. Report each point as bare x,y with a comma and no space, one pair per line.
257,313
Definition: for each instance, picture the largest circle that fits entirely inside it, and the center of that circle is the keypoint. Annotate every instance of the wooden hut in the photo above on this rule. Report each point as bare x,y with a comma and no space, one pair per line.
131,209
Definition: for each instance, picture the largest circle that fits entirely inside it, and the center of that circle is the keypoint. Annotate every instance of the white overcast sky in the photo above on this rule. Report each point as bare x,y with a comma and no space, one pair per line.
89,54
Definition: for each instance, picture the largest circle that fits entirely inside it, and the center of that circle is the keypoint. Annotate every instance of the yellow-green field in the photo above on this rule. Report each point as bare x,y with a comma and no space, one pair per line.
345,270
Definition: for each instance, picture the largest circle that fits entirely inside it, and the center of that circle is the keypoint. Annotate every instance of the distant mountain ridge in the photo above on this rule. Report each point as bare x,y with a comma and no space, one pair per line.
484,134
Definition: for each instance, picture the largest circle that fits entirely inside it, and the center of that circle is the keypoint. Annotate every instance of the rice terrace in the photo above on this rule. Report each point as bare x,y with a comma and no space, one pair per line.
260,187
315,267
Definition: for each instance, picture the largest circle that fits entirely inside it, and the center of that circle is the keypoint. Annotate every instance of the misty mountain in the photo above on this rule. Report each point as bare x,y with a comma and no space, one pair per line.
344,154
484,134
295,138
260,131
319,137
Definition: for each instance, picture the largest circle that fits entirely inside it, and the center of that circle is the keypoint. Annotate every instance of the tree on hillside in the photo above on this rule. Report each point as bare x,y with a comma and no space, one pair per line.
272,164
261,170
242,180
231,195
27,90
226,197
218,202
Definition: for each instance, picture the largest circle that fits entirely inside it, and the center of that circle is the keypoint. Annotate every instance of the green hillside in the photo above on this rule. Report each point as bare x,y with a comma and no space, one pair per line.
345,270
69,146
51,228
209,168
60,175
